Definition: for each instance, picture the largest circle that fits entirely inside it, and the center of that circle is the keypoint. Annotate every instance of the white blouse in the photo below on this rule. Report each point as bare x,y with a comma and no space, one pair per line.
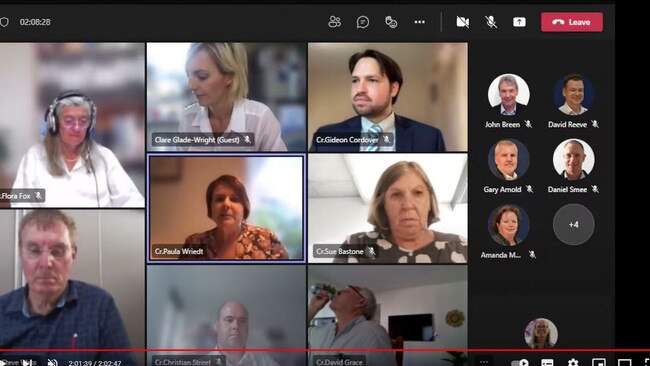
110,186
247,116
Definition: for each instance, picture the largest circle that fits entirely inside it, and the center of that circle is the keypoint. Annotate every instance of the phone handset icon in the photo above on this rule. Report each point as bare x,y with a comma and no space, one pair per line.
558,21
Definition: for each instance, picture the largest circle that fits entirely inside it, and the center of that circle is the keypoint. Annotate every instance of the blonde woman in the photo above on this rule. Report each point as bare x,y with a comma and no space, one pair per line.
217,75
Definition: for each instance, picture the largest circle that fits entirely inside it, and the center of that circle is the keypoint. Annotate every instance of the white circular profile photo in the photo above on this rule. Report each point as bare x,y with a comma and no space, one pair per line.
508,94
573,159
541,333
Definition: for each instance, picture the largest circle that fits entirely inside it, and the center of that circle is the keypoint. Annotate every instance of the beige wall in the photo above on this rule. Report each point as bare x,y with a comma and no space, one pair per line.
177,207
434,90
274,185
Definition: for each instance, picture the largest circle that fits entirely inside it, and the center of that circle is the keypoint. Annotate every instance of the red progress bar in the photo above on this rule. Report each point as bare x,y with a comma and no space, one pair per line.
364,350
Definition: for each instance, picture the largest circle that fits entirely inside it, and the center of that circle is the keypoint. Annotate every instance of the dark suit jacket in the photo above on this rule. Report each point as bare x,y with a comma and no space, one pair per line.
500,174
520,109
411,136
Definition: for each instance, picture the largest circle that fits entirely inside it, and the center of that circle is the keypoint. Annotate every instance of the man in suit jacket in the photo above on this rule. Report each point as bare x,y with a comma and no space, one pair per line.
376,82
508,91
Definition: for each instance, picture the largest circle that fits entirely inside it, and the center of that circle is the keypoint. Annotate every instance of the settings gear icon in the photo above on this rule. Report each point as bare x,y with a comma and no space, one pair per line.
573,362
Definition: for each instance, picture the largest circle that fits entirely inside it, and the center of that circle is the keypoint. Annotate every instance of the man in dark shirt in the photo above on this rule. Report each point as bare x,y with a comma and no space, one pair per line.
52,311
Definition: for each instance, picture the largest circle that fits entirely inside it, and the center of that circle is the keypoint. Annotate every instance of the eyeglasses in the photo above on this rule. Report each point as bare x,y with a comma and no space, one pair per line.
350,287
71,122
35,252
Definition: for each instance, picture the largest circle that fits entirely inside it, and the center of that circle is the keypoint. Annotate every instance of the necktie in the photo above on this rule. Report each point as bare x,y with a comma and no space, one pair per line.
374,132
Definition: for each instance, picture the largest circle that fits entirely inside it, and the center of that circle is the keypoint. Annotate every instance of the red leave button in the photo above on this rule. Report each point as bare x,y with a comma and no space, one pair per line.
572,22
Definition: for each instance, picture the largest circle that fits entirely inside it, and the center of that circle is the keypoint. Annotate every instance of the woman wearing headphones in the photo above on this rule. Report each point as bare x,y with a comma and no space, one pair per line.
74,170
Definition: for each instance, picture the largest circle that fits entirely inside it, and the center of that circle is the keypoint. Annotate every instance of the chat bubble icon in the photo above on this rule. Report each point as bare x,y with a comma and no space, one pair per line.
363,22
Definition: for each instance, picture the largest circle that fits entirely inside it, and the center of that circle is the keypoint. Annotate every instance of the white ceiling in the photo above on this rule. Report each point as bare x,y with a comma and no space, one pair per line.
355,175
388,277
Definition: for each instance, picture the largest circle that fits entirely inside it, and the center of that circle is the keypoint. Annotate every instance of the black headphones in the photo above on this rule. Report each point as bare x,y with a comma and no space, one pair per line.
52,119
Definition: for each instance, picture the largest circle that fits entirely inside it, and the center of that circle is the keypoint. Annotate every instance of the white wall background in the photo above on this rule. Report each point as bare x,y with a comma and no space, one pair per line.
558,156
402,290
274,296
8,260
19,116
436,299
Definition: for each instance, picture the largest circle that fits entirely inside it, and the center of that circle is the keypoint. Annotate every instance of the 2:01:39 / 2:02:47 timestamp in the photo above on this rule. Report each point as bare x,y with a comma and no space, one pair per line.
45,22
94,363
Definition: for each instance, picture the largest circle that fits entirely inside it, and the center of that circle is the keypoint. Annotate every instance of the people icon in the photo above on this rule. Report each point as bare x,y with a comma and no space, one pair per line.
334,22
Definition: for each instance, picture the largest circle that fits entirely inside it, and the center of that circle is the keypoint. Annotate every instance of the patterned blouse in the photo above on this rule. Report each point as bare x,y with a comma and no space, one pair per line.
254,242
446,248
